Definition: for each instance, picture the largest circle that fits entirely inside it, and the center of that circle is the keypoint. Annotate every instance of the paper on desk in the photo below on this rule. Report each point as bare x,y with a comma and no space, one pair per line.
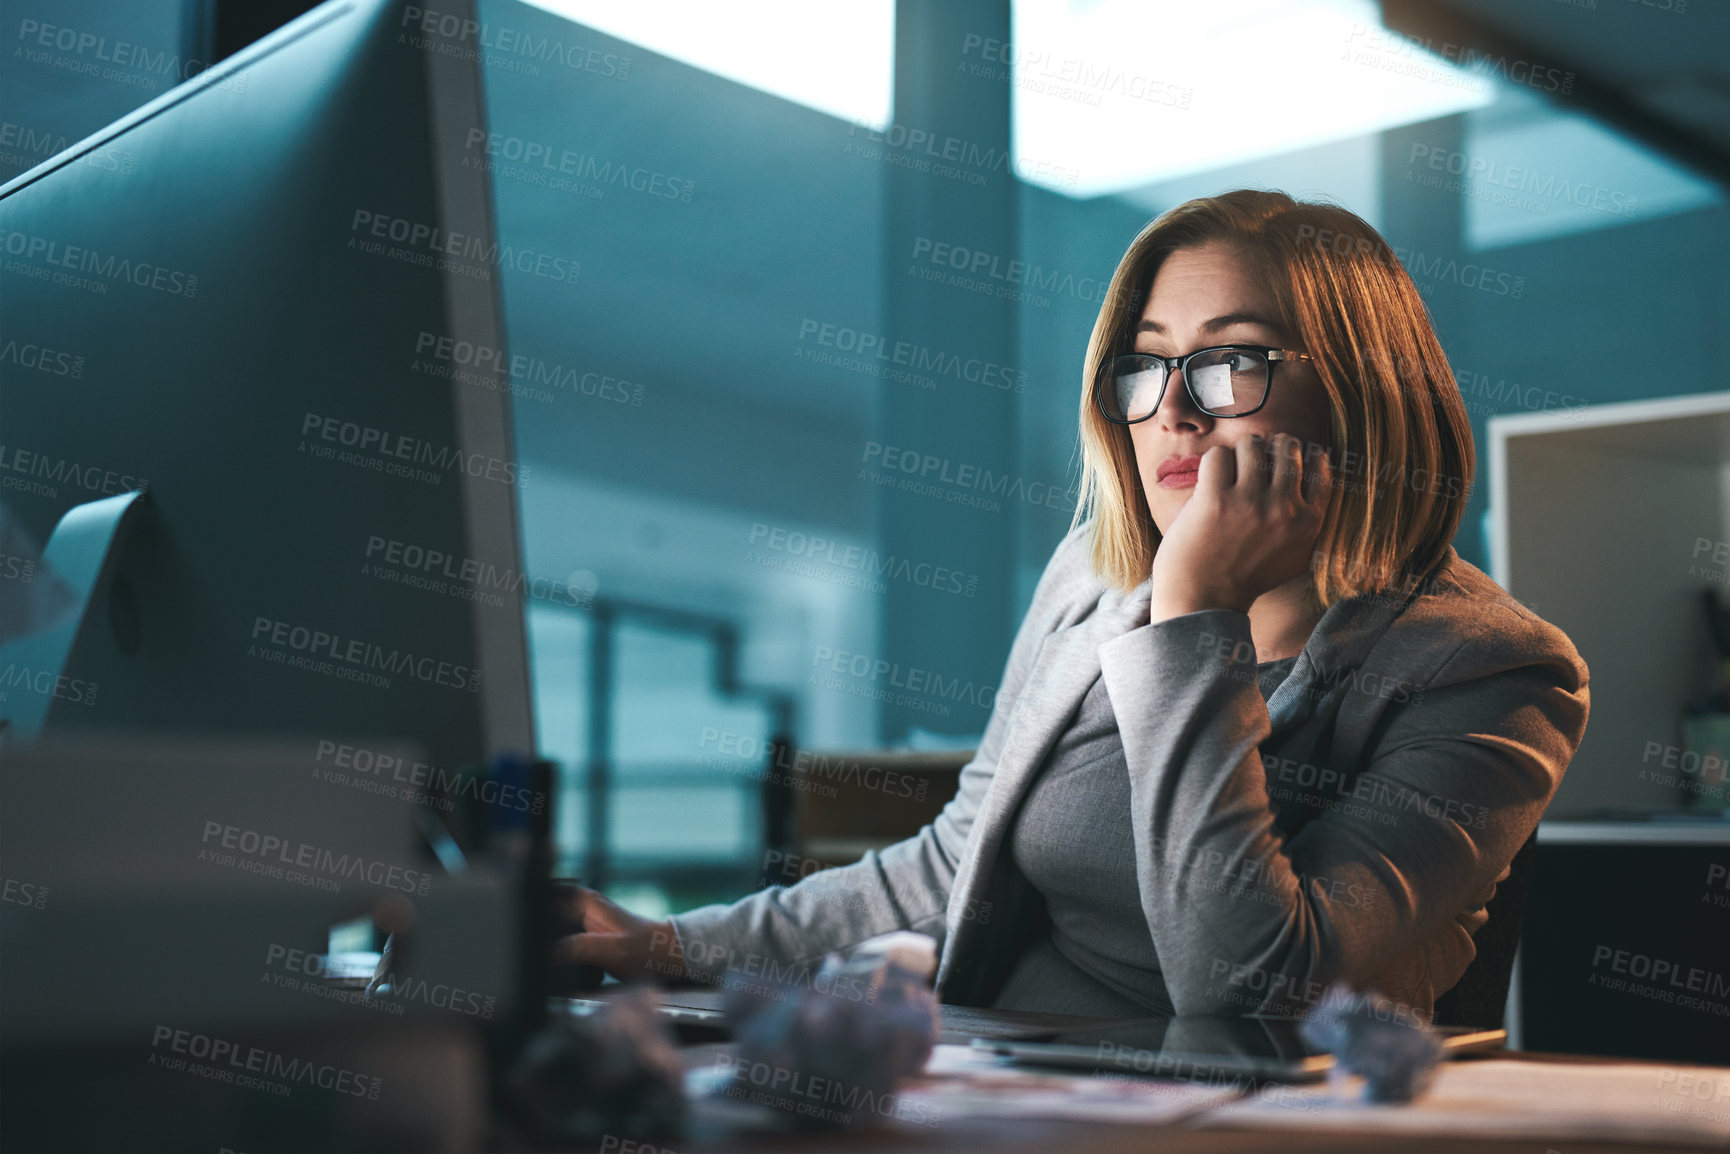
960,1081
1500,1098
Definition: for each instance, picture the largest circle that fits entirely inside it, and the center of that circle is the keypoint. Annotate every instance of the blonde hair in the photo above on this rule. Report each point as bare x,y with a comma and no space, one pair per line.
1403,465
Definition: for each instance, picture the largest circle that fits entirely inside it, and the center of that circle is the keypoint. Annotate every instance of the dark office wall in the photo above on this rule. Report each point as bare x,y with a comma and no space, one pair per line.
73,66
692,396
233,24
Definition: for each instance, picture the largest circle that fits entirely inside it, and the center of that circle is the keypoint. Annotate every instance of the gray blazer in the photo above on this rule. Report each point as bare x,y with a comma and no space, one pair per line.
1352,826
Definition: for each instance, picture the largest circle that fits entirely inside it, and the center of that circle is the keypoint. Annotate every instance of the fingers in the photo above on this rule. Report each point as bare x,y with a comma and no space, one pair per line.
1318,476
1288,464
1266,464
586,911
571,902
1293,470
1219,467
588,950
1250,452
614,953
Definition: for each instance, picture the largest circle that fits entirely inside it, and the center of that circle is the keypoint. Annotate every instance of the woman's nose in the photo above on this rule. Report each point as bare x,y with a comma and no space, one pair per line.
1177,409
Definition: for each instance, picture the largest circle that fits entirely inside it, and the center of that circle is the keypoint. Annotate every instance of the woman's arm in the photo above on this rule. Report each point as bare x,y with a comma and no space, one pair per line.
903,886
1241,918
1455,783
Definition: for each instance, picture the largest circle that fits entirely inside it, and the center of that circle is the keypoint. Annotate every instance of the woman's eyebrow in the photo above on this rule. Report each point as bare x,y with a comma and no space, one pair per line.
1217,323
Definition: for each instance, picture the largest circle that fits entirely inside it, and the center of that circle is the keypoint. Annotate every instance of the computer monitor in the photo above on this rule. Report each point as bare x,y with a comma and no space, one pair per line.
249,320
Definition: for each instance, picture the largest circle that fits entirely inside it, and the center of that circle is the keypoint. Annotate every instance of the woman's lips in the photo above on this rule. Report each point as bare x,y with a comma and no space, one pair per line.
1180,480
1178,471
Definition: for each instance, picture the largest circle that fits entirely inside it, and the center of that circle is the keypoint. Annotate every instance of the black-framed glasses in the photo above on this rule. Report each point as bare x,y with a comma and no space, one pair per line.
1223,381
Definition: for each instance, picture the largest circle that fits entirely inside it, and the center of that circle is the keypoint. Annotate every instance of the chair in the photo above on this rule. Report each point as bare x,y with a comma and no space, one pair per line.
1480,997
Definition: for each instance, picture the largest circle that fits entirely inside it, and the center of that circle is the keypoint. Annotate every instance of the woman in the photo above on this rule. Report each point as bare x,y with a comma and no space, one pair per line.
1262,728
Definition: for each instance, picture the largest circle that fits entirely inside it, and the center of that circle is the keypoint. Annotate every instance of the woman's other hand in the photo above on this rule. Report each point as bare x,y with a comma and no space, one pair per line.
612,938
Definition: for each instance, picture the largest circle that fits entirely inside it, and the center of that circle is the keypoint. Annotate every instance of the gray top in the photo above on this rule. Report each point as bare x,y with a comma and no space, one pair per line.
1350,827
1073,841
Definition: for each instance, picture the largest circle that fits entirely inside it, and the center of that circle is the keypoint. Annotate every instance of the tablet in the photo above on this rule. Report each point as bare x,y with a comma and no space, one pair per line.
1256,1050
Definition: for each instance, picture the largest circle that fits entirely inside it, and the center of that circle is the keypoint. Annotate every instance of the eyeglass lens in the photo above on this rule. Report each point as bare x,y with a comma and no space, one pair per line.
1225,382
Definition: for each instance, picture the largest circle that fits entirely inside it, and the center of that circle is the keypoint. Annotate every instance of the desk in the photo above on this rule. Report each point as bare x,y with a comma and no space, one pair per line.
718,1126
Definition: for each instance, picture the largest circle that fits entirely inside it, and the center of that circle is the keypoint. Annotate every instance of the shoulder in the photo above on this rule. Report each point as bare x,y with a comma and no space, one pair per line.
1069,579
1073,557
1460,625
1068,588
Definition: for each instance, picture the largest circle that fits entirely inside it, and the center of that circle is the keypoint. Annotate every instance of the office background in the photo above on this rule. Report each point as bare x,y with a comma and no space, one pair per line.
801,435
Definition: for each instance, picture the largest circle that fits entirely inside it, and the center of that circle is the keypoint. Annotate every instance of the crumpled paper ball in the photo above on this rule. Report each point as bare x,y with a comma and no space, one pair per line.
1377,1038
617,1071
829,1052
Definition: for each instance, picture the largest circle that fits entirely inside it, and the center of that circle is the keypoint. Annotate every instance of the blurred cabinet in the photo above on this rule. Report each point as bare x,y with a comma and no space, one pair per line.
1609,520
847,803
1626,950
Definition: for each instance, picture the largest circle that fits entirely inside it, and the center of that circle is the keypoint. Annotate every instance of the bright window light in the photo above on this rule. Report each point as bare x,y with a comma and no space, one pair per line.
1112,95
837,56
